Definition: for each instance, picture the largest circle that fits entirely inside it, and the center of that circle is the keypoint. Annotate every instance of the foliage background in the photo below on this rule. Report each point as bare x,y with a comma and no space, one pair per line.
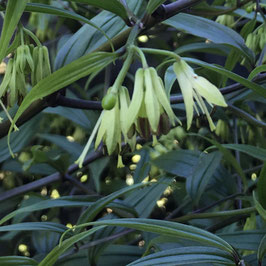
213,181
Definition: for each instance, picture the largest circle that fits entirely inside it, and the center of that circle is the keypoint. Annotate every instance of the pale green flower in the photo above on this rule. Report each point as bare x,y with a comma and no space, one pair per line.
150,108
110,128
194,87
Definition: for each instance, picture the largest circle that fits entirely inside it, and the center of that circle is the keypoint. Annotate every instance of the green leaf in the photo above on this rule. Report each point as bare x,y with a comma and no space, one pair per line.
255,152
259,208
96,169
262,250
63,77
210,30
113,6
73,148
44,241
153,5
202,172
249,84
262,186
75,115
87,39
167,228
245,240
256,71
227,156
143,166
144,200
71,201
34,226
52,10
17,260
119,255
179,162
97,206
19,139
204,47
52,257
13,14
186,256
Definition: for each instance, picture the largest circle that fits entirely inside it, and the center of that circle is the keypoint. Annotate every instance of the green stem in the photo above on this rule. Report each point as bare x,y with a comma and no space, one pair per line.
8,116
141,54
214,214
36,40
123,72
21,35
161,52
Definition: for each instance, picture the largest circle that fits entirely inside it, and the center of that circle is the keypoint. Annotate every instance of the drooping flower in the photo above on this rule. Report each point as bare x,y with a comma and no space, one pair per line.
110,127
150,109
194,87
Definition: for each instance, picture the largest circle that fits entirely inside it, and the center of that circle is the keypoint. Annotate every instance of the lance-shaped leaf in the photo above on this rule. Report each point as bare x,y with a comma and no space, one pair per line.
52,10
13,14
186,256
210,30
172,229
113,6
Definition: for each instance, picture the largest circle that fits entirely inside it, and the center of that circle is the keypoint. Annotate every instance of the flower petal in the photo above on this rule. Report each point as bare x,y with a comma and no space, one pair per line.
137,97
161,96
187,91
151,102
209,91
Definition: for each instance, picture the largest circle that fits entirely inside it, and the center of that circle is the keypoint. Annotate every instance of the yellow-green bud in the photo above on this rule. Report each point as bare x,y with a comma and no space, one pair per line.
109,101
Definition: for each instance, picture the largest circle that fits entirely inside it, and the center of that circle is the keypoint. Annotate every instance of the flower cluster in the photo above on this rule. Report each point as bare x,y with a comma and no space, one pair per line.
149,112
150,109
27,60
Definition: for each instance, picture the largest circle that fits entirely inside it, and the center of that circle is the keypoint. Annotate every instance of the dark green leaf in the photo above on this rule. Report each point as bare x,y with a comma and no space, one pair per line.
252,151
52,10
262,187
179,162
13,13
210,30
186,256
52,257
34,226
113,6
262,249
246,240
97,206
202,172
19,139
167,228
17,260
259,207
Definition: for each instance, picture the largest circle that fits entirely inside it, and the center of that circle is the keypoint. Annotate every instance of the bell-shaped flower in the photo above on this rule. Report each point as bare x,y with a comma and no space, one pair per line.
150,109
110,127
194,87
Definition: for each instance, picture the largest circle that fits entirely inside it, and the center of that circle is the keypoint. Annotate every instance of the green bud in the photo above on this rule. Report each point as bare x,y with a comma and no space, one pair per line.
109,101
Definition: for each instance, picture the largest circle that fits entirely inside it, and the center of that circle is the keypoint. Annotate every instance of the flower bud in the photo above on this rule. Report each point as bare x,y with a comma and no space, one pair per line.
109,101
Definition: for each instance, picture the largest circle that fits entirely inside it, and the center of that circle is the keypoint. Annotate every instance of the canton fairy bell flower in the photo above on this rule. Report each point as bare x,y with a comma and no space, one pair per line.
110,127
194,87
150,108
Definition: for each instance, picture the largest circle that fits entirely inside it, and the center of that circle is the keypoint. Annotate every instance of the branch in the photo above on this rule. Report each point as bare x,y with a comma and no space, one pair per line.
49,179
178,6
61,100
